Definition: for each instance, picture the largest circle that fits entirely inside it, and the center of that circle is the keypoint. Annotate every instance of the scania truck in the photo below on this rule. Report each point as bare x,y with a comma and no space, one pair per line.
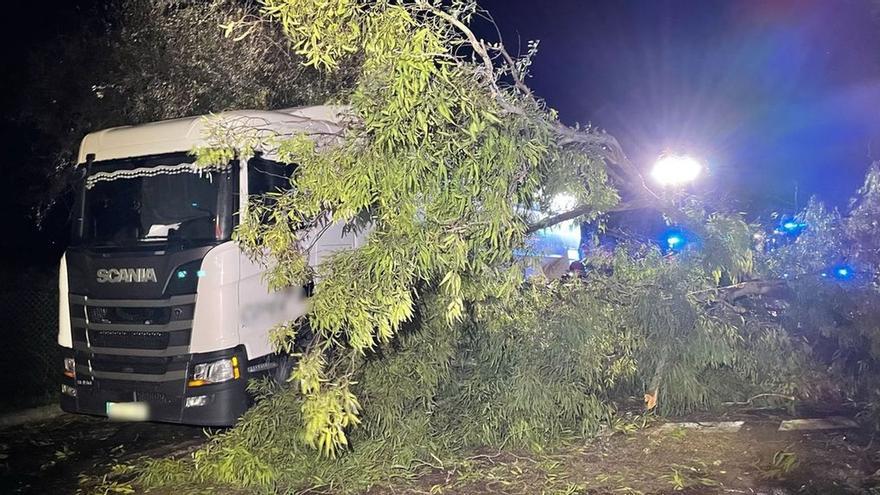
162,317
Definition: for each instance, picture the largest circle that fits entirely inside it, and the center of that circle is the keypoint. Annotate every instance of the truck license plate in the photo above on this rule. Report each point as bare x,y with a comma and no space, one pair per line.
128,411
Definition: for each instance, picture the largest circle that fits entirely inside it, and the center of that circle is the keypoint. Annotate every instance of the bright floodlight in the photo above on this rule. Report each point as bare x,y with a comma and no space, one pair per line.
672,170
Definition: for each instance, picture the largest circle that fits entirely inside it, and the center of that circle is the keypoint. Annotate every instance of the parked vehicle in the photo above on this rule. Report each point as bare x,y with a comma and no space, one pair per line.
162,316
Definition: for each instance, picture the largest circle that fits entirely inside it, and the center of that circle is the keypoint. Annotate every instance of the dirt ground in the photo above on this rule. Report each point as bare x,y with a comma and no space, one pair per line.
48,457
758,459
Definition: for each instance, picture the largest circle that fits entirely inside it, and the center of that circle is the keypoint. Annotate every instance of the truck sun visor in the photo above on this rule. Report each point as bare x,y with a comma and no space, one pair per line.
182,168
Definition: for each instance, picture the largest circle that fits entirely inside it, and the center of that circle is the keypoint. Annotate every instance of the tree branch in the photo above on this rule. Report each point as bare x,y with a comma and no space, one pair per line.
604,145
580,211
728,295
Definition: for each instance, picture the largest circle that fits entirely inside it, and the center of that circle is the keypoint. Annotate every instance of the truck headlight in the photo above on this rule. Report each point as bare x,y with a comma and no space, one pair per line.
69,367
218,371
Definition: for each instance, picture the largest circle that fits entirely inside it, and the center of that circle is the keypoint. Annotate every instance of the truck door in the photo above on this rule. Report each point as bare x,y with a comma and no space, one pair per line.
260,308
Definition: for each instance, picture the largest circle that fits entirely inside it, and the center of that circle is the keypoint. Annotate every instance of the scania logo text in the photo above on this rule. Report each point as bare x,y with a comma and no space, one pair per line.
126,275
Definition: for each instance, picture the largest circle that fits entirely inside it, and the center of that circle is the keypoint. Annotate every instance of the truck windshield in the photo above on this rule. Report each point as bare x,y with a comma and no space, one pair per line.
155,200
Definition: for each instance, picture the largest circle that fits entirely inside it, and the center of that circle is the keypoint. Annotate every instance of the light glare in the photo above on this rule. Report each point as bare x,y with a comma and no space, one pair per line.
672,170
563,202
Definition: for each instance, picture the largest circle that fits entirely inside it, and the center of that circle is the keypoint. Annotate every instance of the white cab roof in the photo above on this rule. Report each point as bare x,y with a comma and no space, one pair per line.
178,135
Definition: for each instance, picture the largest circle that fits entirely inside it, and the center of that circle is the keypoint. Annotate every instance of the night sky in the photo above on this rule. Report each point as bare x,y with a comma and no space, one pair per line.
776,96
773,95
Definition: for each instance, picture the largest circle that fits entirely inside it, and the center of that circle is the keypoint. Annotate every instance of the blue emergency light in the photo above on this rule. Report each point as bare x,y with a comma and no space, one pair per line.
843,272
673,240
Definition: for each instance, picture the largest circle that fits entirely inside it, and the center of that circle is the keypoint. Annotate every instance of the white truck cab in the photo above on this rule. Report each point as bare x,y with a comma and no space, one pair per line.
161,316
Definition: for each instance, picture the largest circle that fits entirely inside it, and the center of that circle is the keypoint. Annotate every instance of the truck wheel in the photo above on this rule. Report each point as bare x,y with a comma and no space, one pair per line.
283,370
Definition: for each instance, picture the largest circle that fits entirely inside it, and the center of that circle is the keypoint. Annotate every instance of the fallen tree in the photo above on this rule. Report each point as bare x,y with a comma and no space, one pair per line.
429,338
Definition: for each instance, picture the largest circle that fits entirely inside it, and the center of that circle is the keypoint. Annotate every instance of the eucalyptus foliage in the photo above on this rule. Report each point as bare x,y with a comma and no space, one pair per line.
429,338
436,163
837,317
549,364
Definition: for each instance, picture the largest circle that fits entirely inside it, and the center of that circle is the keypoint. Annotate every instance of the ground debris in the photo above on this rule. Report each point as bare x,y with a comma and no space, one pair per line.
688,457
831,423
703,426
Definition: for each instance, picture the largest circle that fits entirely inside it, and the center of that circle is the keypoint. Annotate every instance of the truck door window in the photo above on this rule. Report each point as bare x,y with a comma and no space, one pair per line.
266,176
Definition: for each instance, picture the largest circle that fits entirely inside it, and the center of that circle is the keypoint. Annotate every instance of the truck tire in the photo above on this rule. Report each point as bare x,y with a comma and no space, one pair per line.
282,372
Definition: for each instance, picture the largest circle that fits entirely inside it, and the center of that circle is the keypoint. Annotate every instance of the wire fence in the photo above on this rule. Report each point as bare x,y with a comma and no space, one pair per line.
30,366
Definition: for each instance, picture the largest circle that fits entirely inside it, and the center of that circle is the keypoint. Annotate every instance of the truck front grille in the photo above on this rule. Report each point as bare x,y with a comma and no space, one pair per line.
145,328
134,364
129,340
139,316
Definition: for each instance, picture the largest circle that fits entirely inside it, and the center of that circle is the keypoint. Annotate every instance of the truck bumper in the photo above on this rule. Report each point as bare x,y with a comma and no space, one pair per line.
159,399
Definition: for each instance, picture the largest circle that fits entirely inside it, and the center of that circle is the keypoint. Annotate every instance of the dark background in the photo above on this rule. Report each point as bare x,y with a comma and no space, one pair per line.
778,97
28,27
